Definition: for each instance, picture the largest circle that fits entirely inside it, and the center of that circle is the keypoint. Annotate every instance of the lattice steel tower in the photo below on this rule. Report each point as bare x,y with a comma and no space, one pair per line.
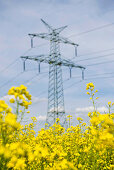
55,89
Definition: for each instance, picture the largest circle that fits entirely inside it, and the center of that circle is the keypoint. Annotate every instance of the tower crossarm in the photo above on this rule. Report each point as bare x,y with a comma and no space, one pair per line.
44,59
58,30
41,35
48,37
34,57
70,64
41,58
67,41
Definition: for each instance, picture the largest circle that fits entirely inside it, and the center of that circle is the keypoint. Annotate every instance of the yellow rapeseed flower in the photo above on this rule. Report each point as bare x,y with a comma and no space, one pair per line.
12,101
109,103
79,118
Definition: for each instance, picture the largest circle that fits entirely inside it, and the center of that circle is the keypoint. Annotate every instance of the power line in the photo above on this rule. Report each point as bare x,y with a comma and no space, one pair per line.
95,52
88,79
37,75
19,75
91,30
13,78
73,84
12,63
100,77
95,57
105,62
91,75
44,91
81,80
29,80
91,78
101,74
9,65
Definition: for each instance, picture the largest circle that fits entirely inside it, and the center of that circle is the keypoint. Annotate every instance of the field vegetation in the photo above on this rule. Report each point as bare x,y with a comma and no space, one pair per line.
83,147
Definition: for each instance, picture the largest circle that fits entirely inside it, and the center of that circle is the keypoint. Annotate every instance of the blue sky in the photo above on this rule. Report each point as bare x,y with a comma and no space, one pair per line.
18,18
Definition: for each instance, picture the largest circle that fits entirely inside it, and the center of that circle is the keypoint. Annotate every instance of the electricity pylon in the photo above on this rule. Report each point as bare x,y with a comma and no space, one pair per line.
55,90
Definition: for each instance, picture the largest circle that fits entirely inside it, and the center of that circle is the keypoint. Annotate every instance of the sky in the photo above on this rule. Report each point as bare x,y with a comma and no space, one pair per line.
95,51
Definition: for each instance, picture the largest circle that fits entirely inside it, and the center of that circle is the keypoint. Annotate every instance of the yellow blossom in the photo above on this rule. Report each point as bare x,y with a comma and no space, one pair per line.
12,101
109,103
79,118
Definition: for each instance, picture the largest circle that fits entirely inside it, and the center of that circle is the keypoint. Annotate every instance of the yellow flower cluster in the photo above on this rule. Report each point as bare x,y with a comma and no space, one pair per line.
21,97
56,148
4,108
90,86
18,91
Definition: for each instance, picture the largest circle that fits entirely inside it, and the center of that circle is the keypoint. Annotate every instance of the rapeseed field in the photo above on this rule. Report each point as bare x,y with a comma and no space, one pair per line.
83,147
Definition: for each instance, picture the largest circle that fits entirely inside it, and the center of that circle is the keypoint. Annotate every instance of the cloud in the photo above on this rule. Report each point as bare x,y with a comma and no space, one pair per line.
91,108
7,98
42,118
59,109
37,100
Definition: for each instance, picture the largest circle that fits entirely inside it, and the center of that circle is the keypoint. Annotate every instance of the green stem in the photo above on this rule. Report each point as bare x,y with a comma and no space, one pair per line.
17,109
22,115
93,101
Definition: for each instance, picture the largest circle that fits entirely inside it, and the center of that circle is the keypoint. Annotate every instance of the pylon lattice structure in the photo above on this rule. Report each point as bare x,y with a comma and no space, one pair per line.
55,90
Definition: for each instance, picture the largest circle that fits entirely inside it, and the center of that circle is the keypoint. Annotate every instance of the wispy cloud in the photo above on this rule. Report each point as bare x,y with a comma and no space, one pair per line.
38,100
7,98
91,108
41,118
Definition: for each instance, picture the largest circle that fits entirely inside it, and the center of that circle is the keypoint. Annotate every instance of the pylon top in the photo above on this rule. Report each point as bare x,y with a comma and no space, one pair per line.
57,30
